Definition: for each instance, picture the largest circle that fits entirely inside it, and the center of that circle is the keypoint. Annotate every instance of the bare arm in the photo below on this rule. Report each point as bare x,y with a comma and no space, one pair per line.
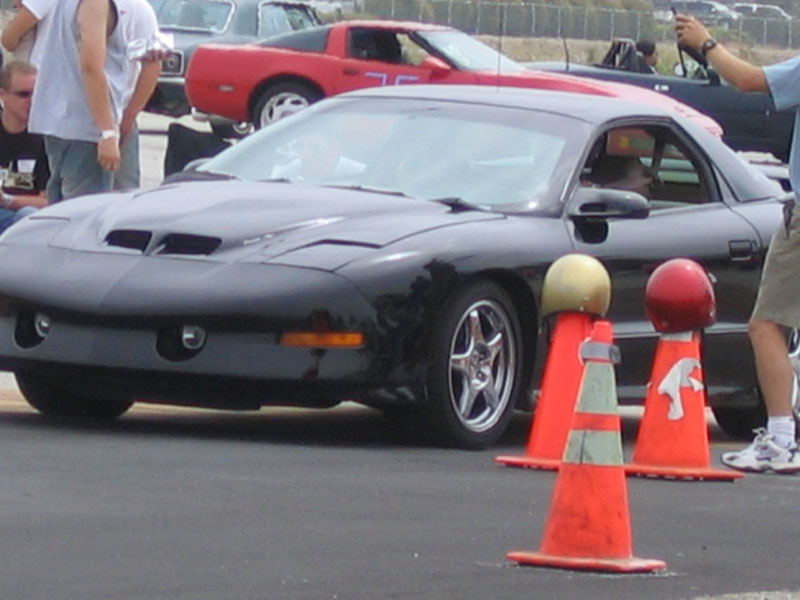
21,200
22,22
92,21
145,84
739,73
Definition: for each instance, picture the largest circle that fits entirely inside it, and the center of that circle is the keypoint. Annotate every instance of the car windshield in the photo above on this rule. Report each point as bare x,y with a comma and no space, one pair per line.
479,156
211,16
274,19
467,53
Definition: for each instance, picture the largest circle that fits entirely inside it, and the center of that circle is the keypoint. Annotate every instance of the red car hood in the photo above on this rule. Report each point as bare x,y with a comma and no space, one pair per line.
585,85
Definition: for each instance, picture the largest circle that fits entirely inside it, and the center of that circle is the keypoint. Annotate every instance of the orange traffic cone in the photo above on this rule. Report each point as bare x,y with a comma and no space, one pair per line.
673,435
588,526
559,392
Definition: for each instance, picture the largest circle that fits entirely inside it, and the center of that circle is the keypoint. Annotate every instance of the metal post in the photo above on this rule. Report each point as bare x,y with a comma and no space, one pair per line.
613,22
559,21
586,22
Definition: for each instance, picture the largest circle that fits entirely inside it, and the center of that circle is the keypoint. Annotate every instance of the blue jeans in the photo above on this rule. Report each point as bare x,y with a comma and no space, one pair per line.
74,170
9,217
127,178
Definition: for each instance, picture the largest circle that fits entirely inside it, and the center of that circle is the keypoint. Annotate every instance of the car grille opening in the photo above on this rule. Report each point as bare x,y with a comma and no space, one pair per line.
129,238
184,243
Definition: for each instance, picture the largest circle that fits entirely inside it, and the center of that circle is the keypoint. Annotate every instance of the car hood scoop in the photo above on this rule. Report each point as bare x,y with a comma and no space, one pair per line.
226,220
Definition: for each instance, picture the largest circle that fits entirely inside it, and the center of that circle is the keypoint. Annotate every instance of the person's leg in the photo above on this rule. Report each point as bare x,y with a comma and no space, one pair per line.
772,366
128,177
55,149
774,448
80,172
6,218
9,217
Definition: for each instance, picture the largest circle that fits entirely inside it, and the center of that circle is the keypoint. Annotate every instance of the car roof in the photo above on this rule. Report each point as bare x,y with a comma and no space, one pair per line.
587,107
389,24
315,38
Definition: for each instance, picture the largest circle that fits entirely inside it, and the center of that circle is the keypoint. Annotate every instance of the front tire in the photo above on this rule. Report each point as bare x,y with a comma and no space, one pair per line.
739,423
282,100
43,394
475,372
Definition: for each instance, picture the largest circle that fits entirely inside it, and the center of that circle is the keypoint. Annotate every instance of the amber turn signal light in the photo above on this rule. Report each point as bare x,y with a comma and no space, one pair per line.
328,339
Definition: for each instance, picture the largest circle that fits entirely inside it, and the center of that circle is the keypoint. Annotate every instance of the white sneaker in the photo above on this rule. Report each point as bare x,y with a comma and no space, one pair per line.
763,454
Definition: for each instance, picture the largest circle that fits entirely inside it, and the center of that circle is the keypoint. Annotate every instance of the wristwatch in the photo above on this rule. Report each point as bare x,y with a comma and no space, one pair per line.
109,133
708,45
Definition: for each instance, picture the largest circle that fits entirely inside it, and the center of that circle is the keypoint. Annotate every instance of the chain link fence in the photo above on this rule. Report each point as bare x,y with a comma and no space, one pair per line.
527,19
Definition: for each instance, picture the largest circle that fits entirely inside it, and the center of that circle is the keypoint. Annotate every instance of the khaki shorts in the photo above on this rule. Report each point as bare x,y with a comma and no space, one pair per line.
779,291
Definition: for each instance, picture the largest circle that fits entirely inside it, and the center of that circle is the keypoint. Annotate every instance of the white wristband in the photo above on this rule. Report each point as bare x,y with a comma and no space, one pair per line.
6,200
109,133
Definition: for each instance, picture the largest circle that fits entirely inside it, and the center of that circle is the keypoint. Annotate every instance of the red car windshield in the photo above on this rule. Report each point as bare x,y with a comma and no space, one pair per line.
467,53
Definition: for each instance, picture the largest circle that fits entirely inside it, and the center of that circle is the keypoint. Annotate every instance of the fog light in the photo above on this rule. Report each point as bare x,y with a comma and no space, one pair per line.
41,324
193,337
31,328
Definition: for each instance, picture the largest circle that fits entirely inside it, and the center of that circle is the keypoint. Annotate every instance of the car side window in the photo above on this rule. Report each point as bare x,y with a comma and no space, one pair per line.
375,44
651,161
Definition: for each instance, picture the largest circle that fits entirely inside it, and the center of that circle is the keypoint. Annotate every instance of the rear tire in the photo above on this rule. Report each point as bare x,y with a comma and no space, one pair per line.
739,422
232,131
282,100
43,394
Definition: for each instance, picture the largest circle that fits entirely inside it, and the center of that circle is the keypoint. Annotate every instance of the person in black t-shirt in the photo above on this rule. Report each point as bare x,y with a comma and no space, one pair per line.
23,162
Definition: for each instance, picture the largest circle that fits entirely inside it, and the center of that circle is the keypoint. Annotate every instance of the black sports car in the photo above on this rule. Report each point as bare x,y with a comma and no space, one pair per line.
749,120
385,246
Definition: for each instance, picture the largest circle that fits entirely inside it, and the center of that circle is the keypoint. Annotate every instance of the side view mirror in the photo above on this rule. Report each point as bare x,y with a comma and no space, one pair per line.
436,65
604,203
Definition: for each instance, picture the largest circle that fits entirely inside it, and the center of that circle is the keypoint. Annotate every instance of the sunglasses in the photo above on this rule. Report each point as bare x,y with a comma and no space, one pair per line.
24,94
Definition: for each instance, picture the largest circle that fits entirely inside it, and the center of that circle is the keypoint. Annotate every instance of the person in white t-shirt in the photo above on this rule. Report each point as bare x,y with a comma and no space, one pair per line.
24,32
23,35
140,27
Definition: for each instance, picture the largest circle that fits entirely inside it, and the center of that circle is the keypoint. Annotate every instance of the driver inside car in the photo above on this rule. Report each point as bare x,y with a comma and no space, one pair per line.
620,173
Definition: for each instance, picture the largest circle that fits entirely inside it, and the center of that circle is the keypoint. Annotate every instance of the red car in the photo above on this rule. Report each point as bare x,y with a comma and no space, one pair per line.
262,82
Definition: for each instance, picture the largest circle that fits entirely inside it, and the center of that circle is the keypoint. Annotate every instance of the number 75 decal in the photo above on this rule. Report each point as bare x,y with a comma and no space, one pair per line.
386,78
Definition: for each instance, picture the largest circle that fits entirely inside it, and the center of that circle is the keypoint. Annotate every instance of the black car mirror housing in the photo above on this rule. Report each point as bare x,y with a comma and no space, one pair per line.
604,203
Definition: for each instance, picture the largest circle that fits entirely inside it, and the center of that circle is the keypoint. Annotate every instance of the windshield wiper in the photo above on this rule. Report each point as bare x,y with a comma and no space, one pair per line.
198,176
364,188
458,204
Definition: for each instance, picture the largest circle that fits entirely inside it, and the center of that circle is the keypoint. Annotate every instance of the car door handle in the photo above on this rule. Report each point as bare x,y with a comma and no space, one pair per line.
351,71
741,250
